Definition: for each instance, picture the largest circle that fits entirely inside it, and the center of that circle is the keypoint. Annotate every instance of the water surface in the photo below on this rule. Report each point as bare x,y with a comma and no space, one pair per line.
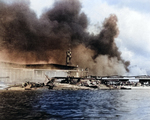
80,104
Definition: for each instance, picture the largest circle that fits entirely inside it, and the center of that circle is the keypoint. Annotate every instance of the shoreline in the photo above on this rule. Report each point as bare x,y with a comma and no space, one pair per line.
67,86
57,86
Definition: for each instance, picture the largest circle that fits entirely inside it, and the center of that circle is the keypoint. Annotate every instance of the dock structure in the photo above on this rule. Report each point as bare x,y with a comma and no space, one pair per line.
12,72
114,79
143,79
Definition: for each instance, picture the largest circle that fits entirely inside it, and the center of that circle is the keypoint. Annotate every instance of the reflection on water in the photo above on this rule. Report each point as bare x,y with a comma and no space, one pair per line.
80,104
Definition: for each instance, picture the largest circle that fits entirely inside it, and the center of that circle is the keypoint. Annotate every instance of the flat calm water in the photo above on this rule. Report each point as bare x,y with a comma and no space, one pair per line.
80,104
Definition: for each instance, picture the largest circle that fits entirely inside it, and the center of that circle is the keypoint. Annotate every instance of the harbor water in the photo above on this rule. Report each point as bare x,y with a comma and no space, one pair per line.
79,104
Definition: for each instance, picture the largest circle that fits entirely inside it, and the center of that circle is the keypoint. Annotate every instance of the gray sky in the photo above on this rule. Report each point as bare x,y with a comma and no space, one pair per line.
133,22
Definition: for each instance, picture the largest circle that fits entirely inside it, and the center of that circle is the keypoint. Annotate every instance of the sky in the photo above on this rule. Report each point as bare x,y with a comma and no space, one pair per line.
133,23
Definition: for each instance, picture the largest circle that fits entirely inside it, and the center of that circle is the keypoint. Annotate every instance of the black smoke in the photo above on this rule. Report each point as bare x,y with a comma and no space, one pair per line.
26,38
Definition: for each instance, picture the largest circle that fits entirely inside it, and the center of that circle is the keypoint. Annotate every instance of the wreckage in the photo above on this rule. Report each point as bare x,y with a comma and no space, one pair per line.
62,76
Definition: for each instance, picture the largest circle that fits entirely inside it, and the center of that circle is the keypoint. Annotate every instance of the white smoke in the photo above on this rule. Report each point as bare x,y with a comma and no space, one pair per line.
136,71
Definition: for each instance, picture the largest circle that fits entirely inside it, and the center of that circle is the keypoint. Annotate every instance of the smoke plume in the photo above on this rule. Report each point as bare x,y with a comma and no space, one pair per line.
24,38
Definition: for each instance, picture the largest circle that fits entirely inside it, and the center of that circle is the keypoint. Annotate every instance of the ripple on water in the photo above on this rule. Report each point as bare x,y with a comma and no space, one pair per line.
80,104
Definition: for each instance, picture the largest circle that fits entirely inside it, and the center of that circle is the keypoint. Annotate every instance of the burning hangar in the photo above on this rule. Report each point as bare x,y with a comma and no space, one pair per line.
12,72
